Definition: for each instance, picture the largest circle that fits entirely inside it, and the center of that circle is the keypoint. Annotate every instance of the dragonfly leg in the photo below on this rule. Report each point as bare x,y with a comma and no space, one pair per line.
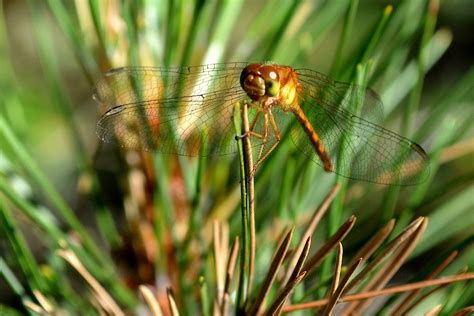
251,132
268,118
254,120
265,136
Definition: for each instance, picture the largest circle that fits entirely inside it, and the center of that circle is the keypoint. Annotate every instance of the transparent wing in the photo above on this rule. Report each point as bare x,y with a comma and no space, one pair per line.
340,95
171,110
358,148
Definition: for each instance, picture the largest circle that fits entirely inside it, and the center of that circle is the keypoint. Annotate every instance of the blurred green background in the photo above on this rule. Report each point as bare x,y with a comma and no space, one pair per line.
420,62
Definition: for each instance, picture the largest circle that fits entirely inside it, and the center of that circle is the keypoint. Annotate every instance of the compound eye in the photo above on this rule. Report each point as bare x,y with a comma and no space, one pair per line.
272,87
272,80
251,69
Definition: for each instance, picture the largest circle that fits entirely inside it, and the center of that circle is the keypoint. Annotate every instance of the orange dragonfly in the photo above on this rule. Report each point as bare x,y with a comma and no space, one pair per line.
177,109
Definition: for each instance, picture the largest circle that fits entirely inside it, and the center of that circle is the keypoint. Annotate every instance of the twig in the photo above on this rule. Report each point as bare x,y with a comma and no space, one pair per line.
242,293
249,171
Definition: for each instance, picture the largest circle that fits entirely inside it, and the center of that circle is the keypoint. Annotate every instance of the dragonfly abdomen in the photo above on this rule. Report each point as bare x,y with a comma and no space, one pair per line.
314,138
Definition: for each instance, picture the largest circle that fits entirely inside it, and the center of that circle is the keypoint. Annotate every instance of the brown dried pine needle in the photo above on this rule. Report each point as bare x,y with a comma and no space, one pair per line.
275,265
309,230
386,252
409,301
105,300
172,302
335,297
150,300
317,258
383,292
387,270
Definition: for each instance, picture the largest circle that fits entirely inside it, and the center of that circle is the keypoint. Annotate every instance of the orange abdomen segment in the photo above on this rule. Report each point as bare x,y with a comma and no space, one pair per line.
314,138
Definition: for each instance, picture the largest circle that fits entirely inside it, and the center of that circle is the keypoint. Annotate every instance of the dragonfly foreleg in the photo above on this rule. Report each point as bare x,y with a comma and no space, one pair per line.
250,131
268,117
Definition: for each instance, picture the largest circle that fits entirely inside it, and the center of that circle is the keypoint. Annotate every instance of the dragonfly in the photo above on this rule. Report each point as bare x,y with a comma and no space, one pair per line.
188,111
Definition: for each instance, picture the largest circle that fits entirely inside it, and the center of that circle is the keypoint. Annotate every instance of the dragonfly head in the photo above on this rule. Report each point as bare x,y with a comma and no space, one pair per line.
259,81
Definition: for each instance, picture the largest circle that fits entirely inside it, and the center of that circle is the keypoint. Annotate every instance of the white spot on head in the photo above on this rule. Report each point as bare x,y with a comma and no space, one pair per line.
273,75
